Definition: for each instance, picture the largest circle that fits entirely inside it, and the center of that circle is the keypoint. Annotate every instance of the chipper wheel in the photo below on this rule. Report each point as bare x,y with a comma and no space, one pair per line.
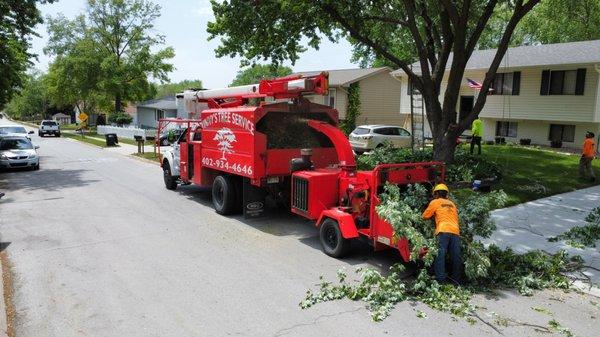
170,180
332,241
224,197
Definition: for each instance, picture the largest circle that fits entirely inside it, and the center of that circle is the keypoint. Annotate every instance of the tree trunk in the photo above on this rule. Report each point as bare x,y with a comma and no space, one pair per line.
444,148
118,103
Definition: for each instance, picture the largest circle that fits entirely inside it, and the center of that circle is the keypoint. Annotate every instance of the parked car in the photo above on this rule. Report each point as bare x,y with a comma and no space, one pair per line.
49,127
368,137
165,140
14,130
18,152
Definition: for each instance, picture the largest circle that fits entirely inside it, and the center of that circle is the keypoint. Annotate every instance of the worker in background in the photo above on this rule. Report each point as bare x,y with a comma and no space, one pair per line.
447,231
588,153
477,130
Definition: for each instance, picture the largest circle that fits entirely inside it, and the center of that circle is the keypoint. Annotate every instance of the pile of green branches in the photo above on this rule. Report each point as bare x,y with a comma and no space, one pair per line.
582,236
465,167
485,268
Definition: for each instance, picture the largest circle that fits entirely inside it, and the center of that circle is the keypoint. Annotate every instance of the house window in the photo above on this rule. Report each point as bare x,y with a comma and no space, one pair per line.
330,98
159,114
506,129
565,133
563,82
506,83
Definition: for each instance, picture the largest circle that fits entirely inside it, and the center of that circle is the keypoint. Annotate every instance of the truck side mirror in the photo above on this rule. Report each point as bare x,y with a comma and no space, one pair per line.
30,132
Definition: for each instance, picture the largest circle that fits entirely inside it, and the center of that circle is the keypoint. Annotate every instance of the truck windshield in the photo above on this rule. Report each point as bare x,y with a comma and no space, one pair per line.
49,123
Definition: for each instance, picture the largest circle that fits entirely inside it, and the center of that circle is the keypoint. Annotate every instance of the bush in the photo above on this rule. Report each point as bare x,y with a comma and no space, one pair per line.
556,144
525,141
120,118
465,167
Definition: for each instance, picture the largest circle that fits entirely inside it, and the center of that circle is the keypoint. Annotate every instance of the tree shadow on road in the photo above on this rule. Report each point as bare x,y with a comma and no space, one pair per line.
44,179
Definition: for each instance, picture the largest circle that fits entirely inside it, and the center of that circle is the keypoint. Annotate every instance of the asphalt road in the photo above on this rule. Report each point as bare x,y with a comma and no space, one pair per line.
100,248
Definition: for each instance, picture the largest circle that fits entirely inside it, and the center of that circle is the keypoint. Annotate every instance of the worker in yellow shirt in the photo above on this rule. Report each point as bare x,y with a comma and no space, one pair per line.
447,230
588,152
477,130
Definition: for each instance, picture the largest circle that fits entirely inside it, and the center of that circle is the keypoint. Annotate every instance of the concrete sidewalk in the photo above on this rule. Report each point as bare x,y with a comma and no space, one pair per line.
528,226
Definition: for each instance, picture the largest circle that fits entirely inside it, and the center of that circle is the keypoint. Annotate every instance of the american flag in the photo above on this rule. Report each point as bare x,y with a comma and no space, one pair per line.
474,84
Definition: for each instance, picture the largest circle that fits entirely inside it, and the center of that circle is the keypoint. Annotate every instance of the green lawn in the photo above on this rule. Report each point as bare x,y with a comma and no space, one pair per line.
530,173
85,139
147,155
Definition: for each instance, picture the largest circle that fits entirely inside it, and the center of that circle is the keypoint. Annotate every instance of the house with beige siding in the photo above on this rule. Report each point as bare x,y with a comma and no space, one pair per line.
543,93
378,92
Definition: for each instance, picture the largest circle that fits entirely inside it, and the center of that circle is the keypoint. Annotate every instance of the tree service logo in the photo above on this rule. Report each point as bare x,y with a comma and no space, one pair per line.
225,137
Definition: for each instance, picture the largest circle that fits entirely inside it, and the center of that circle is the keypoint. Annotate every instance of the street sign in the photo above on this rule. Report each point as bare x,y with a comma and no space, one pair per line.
83,116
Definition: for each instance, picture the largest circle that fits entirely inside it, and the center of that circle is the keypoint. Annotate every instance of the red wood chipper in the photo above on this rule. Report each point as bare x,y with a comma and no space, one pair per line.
290,150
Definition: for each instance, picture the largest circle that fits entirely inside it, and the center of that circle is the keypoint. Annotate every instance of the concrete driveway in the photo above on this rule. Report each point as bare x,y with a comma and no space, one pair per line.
100,248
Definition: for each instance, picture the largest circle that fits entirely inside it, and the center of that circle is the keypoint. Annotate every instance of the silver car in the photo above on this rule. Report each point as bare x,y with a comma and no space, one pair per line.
14,130
368,137
18,152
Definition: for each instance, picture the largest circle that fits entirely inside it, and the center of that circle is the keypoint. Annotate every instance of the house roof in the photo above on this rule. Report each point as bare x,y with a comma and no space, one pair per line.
342,77
163,103
60,115
529,56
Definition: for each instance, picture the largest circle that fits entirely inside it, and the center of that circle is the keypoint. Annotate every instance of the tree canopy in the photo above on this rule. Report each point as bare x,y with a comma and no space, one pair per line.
393,31
17,21
170,89
124,43
257,72
31,101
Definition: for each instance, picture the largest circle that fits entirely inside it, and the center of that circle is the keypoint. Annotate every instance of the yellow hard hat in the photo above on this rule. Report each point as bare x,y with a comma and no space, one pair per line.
441,187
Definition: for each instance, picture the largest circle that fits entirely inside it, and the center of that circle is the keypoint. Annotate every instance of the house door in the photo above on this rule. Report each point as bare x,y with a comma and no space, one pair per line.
466,106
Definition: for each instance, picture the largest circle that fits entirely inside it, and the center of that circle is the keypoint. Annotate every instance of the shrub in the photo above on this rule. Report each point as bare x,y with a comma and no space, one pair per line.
465,167
120,118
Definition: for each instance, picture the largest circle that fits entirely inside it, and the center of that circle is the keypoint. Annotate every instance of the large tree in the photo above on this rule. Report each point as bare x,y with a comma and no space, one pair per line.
126,45
30,102
257,72
73,78
17,21
393,30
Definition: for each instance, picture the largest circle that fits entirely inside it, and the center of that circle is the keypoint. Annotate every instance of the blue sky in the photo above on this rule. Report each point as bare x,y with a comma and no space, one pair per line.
183,22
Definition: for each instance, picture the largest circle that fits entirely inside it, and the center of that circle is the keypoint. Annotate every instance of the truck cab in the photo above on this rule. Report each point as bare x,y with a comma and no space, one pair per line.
49,127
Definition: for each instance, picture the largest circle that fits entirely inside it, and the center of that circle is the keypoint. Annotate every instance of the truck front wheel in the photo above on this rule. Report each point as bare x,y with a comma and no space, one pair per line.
224,195
170,181
332,241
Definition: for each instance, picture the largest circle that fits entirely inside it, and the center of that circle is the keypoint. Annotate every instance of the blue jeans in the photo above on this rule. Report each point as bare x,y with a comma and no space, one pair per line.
447,243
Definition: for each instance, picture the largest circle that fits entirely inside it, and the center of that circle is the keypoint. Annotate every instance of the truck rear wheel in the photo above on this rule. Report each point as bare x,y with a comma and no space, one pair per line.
332,241
170,181
224,195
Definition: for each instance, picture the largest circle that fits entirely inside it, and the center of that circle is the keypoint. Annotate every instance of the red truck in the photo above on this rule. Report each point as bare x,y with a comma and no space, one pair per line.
290,150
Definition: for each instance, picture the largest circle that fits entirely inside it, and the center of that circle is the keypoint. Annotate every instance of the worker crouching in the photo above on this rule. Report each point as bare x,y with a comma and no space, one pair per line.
447,231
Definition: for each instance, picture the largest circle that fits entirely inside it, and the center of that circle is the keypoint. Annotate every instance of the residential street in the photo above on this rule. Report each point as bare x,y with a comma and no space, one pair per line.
100,248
